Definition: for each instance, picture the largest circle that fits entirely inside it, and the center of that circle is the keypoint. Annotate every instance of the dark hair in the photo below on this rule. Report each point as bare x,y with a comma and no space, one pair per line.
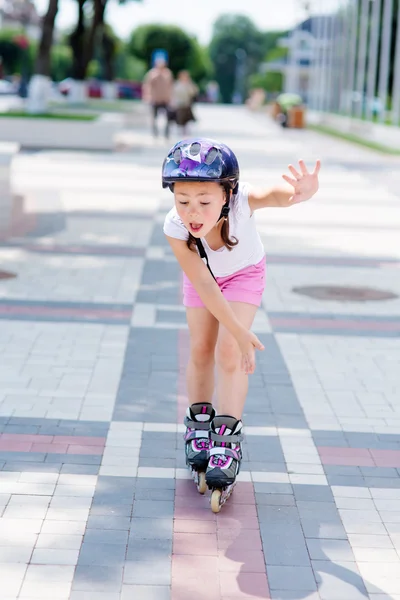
228,242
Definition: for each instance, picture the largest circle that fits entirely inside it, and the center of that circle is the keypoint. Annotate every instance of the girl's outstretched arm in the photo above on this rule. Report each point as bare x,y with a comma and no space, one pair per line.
211,295
302,186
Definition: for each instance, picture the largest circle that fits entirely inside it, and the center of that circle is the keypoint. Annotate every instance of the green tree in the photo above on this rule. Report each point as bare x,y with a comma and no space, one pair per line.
11,51
77,41
42,66
183,50
277,53
61,62
92,39
105,52
233,33
128,66
270,40
271,82
200,67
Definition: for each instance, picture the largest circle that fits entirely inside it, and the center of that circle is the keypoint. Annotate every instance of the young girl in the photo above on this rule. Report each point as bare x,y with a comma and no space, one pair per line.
213,221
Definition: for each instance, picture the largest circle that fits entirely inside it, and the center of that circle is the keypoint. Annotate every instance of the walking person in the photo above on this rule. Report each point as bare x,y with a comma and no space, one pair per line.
157,91
184,92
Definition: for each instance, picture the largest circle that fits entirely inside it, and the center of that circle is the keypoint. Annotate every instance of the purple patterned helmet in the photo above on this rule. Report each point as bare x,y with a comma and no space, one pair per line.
200,159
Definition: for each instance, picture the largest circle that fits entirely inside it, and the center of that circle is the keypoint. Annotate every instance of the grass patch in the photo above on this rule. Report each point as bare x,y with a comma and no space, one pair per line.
51,116
373,119
98,105
122,105
350,137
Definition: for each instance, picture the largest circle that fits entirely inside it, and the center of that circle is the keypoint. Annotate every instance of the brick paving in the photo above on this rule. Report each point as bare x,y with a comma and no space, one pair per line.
95,499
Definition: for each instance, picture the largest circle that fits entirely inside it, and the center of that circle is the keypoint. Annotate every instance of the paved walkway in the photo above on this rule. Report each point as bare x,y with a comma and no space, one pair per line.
95,501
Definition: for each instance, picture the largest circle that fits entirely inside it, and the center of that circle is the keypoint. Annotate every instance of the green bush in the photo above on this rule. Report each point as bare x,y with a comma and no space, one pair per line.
10,51
271,82
183,50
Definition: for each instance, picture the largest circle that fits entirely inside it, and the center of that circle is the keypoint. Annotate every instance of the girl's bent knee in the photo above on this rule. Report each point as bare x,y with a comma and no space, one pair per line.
202,354
228,357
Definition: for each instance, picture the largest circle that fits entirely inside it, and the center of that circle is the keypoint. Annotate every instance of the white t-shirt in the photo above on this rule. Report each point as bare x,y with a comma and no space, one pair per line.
223,262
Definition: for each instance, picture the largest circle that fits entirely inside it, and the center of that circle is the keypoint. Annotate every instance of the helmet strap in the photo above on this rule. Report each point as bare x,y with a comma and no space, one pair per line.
225,209
225,212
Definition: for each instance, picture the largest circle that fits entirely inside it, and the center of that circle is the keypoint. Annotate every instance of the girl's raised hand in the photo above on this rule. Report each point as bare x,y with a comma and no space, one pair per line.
305,184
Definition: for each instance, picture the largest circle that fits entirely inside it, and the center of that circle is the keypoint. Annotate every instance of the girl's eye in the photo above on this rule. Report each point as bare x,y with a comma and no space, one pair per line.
204,203
183,203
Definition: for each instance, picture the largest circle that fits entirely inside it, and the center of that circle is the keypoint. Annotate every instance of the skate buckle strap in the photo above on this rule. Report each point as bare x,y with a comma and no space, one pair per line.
225,451
198,425
192,435
227,439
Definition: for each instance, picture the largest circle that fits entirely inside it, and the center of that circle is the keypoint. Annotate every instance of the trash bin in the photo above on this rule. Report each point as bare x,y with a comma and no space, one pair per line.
297,117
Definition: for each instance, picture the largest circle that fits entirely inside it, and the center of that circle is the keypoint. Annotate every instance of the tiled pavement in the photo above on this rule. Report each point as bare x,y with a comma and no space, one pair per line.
95,501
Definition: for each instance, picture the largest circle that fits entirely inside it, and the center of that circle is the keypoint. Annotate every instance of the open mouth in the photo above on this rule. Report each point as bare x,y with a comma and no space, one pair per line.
195,227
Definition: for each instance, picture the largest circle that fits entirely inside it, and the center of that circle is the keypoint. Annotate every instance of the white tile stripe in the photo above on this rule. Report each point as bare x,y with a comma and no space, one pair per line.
172,473
282,432
144,315
121,454
138,321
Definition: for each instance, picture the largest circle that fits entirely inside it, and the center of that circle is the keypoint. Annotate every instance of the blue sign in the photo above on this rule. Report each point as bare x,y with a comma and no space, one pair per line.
158,54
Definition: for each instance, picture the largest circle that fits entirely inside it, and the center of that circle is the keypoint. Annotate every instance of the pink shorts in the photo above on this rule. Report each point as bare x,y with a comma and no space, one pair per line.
246,285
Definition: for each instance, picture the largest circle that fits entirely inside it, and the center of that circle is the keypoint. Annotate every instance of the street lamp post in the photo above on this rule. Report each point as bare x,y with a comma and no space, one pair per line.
362,56
320,57
324,79
331,82
372,65
396,76
351,73
345,33
384,65
314,67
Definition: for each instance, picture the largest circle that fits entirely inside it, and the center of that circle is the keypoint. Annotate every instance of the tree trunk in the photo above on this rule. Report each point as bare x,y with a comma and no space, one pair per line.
108,47
77,42
40,84
95,30
42,66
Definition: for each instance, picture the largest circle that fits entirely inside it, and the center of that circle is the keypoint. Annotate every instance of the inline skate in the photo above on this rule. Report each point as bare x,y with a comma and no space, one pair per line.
197,421
225,455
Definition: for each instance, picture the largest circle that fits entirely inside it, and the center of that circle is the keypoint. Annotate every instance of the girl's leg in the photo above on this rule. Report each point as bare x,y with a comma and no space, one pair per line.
203,328
232,382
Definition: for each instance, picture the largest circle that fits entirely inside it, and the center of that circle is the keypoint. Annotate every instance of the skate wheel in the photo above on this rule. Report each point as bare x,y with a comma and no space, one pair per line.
215,501
201,483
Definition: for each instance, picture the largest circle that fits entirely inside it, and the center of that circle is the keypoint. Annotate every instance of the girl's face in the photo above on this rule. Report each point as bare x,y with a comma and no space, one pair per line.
199,205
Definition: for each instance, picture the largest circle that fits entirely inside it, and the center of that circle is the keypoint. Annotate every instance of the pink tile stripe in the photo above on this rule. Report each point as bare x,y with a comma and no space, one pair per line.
217,557
10,309
214,557
183,353
359,457
51,444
